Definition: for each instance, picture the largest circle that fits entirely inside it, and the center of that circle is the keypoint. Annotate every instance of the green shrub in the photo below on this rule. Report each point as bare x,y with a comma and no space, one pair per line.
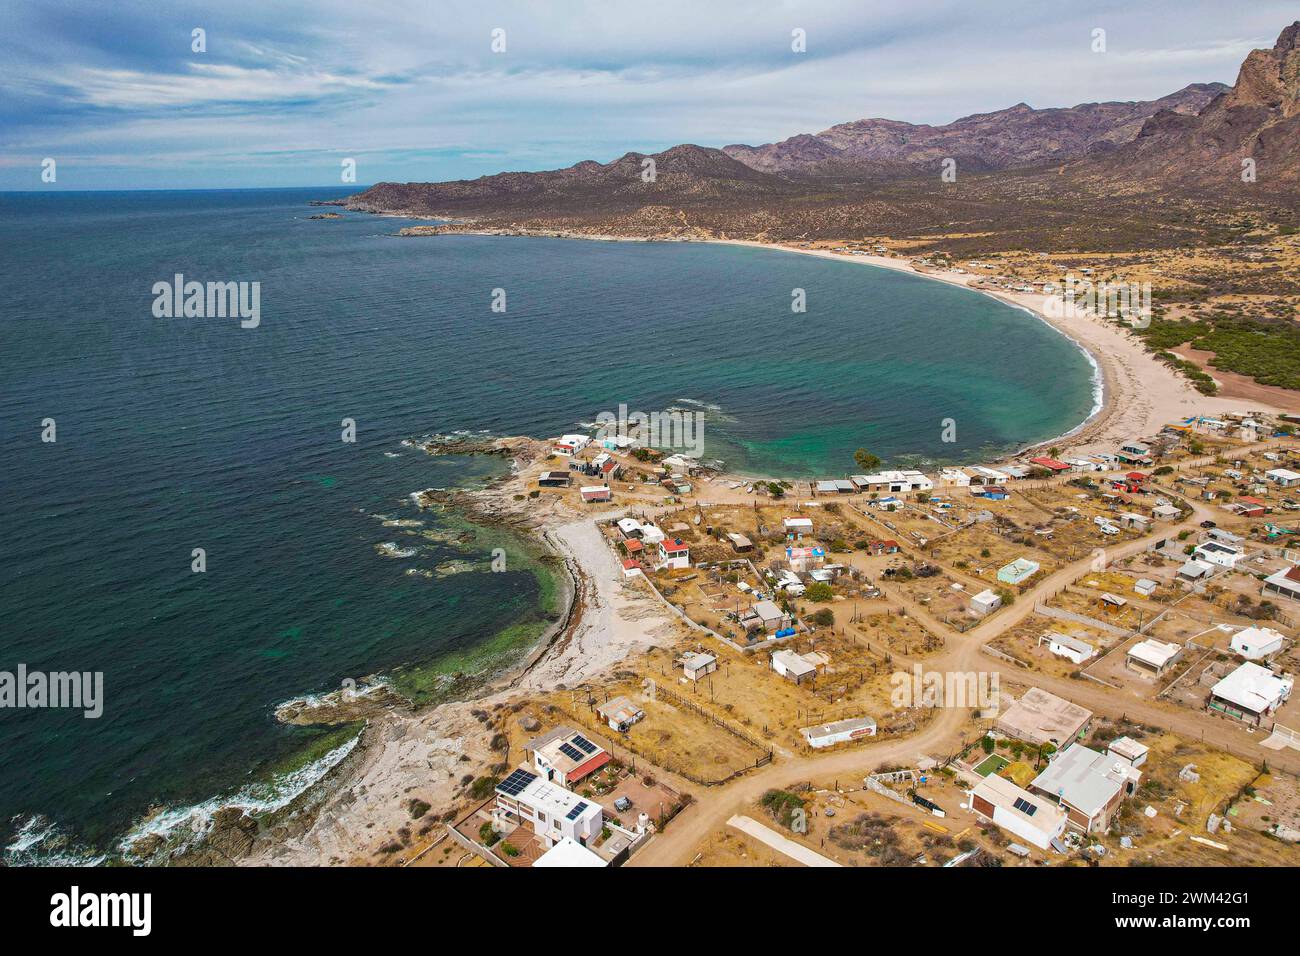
819,591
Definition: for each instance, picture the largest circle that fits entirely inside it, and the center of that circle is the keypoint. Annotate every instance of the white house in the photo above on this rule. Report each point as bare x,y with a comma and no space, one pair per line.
986,602
1283,477
651,534
697,665
1255,643
1250,693
894,481
1129,750
553,812
565,756
570,445
791,665
954,478
1063,645
797,527
827,735
1145,587
1152,657
1029,816
1216,552
987,476
674,554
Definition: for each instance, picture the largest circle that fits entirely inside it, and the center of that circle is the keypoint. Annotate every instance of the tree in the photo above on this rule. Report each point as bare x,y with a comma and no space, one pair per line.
819,591
866,461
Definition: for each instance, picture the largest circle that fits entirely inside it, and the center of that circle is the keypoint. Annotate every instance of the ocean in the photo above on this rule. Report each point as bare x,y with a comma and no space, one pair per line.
176,434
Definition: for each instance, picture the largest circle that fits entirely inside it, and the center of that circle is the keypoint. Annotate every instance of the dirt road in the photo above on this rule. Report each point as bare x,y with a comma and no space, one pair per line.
943,735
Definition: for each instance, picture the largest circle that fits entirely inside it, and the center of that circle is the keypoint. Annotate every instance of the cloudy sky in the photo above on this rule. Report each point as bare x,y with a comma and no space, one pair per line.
287,89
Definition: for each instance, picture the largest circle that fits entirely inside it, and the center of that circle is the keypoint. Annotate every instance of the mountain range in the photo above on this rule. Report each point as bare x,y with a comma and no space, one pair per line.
1092,175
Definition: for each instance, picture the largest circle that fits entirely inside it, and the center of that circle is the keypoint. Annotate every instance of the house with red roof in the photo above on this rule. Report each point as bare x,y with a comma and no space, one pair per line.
674,554
1249,507
1051,464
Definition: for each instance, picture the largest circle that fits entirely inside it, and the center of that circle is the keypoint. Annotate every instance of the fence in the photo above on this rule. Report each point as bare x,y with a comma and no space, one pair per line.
679,701
992,652
1061,614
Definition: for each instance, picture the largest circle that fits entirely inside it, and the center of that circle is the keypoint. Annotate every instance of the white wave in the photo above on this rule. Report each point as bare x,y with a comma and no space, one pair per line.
372,685
189,824
39,842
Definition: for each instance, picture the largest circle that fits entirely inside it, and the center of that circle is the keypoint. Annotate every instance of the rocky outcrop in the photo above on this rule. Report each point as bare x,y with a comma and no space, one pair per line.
1256,119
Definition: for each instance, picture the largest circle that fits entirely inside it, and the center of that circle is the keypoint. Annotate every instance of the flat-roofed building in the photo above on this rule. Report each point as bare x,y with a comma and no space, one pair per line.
565,756
1089,786
1031,817
1152,657
620,713
1064,645
793,667
1126,748
697,665
1039,717
1256,643
839,731
1250,693
554,813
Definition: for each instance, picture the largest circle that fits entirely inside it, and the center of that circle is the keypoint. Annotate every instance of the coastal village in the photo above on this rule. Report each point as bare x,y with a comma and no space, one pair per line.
1066,658
1081,655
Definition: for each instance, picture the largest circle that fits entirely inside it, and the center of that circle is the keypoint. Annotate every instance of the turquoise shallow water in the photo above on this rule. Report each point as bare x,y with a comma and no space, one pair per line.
183,433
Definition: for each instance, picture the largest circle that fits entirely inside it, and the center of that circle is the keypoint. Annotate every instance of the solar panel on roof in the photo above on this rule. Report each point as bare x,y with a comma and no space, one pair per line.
576,811
1024,806
515,784
573,753
583,744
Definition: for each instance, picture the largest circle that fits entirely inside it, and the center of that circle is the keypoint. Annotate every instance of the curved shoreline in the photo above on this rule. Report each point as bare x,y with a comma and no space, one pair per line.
1139,394
1102,388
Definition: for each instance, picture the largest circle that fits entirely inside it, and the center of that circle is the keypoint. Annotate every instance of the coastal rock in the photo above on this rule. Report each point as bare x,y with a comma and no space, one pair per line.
233,833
